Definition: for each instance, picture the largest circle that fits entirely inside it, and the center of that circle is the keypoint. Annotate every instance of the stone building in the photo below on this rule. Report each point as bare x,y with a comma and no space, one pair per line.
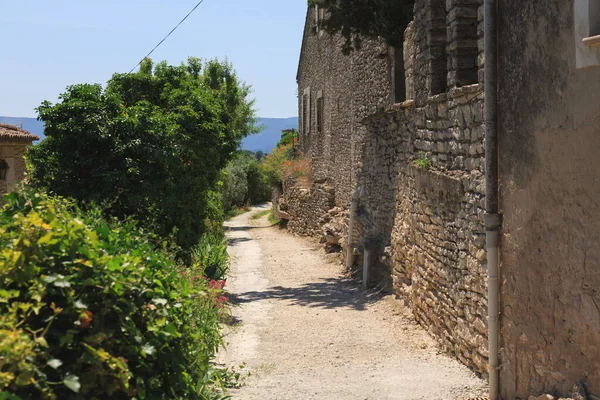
403,129
367,129
549,141
13,142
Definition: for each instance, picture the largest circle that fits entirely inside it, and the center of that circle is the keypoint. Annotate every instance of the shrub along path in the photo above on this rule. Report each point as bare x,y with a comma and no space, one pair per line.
307,332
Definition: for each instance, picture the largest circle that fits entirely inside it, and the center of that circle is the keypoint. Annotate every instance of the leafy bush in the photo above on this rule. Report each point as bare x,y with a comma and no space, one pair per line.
285,161
90,309
210,255
272,165
151,145
355,20
243,182
288,136
423,161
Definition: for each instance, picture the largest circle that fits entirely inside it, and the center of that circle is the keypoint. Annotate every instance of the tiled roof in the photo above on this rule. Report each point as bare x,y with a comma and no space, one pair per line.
10,133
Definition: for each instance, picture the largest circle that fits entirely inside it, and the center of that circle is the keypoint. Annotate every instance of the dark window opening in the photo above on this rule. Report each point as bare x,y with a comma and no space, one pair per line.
305,122
436,41
594,14
399,75
462,33
320,112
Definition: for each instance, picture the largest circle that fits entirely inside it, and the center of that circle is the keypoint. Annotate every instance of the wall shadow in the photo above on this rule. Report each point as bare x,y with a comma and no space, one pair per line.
330,293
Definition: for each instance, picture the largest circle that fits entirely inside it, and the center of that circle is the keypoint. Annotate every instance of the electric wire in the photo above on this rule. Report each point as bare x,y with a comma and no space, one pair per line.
166,37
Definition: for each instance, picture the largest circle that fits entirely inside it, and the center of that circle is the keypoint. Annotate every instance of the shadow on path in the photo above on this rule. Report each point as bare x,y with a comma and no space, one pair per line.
236,241
330,293
245,228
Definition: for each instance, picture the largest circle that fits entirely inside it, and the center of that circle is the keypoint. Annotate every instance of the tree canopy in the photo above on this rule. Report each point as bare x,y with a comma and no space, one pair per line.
358,19
150,145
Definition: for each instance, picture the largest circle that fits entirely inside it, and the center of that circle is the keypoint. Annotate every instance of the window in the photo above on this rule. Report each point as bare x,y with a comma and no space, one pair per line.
320,112
462,36
306,112
437,39
594,17
319,16
587,33
399,75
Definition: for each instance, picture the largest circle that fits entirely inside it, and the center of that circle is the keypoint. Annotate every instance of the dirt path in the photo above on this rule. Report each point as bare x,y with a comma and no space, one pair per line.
307,332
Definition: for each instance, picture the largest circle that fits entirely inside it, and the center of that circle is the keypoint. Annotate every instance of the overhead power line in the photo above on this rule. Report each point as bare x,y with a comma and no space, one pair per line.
166,37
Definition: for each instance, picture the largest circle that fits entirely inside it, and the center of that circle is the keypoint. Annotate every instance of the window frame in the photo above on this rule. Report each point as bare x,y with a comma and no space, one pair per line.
587,38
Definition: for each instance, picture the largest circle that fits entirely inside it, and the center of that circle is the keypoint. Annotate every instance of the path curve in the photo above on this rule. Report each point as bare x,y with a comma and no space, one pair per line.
307,332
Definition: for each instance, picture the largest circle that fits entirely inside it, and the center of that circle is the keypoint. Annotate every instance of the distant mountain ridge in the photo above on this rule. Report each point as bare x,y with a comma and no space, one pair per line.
264,141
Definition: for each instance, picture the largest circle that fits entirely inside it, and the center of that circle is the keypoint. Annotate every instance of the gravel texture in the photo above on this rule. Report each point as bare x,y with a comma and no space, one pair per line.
306,331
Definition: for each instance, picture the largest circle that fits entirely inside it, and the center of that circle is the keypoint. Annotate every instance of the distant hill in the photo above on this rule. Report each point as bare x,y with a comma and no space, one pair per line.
264,141
268,138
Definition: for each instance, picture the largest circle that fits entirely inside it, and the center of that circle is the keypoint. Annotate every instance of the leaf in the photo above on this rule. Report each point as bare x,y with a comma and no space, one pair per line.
54,363
72,382
41,341
160,302
52,278
79,304
46,238
62,284
148,349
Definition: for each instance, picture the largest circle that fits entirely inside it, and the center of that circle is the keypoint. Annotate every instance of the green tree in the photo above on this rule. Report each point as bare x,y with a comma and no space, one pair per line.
358,19
288,137
151,145
243,182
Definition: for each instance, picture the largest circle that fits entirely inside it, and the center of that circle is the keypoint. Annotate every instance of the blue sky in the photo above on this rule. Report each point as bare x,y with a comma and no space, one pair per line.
47,45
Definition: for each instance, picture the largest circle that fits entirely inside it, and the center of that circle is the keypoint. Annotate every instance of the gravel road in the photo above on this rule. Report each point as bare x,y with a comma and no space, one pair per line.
305,331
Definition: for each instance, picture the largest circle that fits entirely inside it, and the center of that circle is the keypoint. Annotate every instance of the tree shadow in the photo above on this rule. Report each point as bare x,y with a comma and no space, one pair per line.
236,241
330,293
245,228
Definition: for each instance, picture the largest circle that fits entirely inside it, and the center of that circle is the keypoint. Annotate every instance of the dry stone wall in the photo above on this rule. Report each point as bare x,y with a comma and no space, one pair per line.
351,87
306,208
423,223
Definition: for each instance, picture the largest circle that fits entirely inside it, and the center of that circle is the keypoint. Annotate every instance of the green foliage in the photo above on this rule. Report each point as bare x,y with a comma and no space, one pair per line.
423,161
358,19
260,214
288,136
285,160
91,309
210,255
243,183
234,212
271,166
151,145
273,220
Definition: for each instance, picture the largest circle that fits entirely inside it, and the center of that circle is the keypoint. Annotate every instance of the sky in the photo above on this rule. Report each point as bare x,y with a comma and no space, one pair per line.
46,45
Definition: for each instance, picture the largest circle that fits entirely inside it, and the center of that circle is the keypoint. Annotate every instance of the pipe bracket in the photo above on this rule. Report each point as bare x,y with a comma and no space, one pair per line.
492,221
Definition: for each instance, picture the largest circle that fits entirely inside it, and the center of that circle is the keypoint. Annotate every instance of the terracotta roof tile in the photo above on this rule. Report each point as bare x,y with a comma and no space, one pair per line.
10,133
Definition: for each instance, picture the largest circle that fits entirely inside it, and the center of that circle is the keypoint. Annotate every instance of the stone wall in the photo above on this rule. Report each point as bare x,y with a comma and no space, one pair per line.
424,224
427,222
352,87
306,208
13,153
432,217
550,250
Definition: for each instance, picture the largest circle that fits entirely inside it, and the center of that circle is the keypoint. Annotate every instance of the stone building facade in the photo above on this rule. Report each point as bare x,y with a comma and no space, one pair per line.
424,222
549,133
13,142
418,160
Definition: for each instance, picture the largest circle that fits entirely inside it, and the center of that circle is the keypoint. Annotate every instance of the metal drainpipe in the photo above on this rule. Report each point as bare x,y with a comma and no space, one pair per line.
353,209
492,219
